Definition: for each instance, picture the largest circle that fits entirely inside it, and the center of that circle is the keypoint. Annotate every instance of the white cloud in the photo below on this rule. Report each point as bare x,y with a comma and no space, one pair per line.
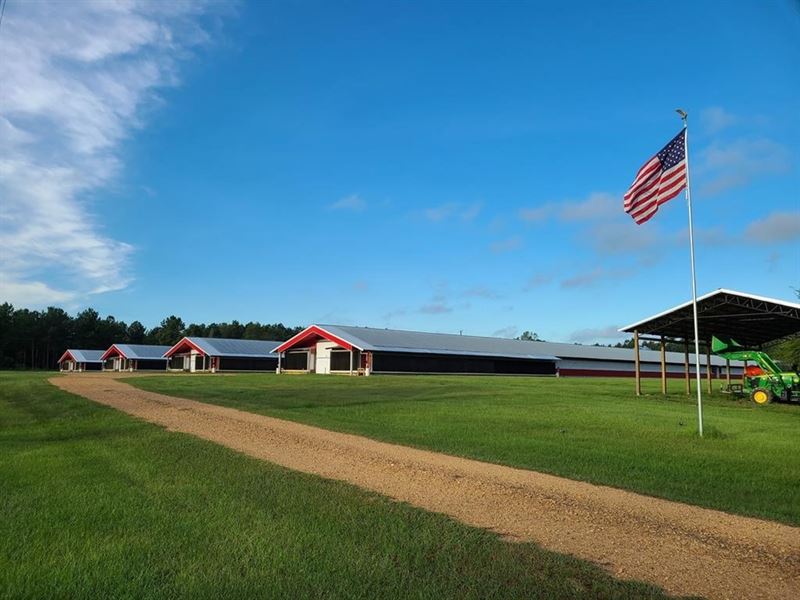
75,78
440,213
593,335
715,119
33,293
711,236
481,291
453,210
598,205
354,202
623,238
436,308
508,245
724,166
471,211
506,332
537,281
775,228
595,276
537,214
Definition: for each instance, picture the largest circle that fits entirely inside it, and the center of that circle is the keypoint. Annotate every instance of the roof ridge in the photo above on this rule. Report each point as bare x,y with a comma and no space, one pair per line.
489,337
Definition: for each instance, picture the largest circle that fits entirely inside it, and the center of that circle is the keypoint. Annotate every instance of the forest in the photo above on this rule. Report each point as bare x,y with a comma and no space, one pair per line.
33,339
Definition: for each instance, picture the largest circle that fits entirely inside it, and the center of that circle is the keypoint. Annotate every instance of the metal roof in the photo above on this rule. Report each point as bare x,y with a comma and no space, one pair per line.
750,320
393,340
84,356
141,351
229,347
563,350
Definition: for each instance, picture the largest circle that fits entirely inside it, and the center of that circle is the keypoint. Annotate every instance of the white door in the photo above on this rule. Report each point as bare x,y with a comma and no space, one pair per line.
323,362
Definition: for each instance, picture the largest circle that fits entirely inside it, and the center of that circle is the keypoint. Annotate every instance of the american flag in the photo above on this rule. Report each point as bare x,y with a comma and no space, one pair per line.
658,181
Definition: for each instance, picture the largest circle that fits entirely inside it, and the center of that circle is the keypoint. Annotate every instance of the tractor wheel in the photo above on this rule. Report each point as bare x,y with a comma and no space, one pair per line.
761,395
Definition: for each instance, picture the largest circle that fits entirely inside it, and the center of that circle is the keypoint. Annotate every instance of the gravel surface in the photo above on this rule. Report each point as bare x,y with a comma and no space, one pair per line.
684,549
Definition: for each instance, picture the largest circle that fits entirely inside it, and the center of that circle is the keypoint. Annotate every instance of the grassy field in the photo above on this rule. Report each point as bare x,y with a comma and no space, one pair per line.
590,429
95,504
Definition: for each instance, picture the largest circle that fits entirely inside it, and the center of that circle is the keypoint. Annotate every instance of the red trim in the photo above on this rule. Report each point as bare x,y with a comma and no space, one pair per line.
310,332
108,353
66,353
184,342
613,373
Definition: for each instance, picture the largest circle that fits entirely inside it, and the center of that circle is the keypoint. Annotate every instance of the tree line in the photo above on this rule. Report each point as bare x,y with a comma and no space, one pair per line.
34,339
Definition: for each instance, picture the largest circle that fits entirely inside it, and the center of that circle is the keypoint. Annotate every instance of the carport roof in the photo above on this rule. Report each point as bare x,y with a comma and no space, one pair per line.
750,320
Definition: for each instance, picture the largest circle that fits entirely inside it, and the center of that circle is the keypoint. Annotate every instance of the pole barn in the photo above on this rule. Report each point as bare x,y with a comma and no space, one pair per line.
750,320
197,354
135,357
74,360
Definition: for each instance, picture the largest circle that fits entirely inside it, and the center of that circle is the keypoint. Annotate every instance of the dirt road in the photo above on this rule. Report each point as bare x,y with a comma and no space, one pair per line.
682,548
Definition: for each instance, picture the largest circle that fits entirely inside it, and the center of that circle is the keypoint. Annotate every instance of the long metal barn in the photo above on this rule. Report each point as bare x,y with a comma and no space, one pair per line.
135,357
364,351
198,354
81,360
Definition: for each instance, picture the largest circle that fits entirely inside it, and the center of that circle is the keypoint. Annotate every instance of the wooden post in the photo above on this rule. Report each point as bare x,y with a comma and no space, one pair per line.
663,366
351,361
708,367
686,367
744,371
728,372
637,366
280,354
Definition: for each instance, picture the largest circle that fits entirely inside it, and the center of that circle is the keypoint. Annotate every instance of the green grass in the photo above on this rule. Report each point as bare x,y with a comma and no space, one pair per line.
589,429
96,504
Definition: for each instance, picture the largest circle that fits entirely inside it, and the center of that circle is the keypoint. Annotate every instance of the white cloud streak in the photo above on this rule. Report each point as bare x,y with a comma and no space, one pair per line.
354,203
715,119
724,166
506,332
775,228
598,205
594,334
453,210
596,276
76,77
508,245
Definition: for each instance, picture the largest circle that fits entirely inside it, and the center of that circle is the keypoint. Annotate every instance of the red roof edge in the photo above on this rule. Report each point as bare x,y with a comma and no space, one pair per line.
312,330
108,353
184,342
67,354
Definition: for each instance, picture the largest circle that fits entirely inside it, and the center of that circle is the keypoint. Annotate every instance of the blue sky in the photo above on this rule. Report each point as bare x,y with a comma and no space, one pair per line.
433,166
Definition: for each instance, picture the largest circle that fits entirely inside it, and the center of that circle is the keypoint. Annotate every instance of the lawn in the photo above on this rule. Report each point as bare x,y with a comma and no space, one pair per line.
589,429
96,504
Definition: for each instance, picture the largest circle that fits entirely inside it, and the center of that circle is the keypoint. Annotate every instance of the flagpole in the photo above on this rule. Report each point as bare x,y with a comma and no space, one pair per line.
684,118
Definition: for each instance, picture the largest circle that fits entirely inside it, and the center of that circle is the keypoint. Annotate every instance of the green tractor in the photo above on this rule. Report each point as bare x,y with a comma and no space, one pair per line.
764,381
